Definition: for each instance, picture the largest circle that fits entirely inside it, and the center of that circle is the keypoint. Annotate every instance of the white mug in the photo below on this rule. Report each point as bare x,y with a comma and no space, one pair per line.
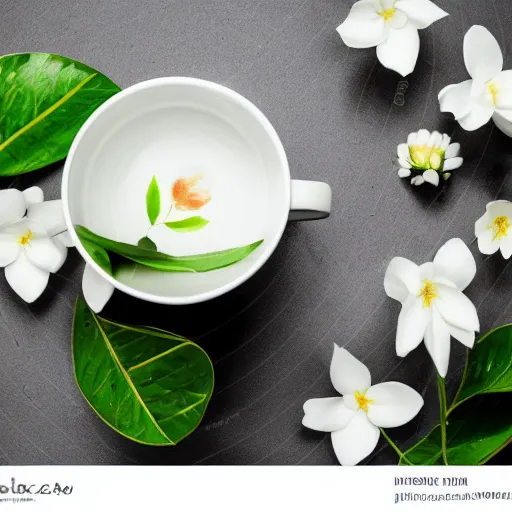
173,129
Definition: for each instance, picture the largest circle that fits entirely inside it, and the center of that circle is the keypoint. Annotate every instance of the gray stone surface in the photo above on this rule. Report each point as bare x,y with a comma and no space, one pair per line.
271,340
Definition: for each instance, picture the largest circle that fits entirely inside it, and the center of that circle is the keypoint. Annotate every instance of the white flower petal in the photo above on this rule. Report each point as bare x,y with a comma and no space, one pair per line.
43,253
452,151
394,404
403,151
33,195
482,224
426,272
437,342
27,280
503,120
412,322
477,117
487,244
356,441
436,139
65,239
348,374
326,414
455,262
452,163
386,4
12,206
503,82
404,164
417,181
421,13
498,208
431,176
398,20
482,54
364,27
50,215
423,137
400,51
446,142
506,247
456,308
351,402
402,278
404,173
467,338
9,252
456,98
412,139
97,290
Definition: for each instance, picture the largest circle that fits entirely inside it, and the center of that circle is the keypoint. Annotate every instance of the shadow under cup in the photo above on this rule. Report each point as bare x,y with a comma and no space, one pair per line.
173,129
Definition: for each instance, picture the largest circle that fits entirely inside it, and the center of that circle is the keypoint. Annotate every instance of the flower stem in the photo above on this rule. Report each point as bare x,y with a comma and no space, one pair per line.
442,416
395,447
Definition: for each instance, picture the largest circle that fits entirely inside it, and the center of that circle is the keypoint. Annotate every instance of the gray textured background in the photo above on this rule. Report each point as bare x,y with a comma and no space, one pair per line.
271,340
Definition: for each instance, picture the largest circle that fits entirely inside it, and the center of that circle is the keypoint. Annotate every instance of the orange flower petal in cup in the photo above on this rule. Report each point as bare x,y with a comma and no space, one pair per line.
184,195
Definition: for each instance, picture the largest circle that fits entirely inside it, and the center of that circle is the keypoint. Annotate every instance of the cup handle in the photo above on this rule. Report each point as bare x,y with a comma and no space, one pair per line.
311,200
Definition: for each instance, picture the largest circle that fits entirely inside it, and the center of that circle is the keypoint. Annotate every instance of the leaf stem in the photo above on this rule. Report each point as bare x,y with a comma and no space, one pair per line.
395,447
441,389
166,218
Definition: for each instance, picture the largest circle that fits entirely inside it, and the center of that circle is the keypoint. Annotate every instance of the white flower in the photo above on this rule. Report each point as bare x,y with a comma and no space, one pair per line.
392,26
354,419
426,156
493,229
33,245
489,93
433,305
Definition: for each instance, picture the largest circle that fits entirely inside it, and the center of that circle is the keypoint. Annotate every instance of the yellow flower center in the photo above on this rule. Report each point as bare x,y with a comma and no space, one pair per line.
427,157
428,292
388,13
362,401
493,91
25,239
501,226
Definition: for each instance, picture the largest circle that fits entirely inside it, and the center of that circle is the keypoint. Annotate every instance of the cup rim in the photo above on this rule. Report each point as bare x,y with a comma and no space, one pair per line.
279,224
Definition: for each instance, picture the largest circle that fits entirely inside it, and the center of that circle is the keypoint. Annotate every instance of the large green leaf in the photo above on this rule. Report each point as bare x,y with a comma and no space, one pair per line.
44,100
475,432
149,385
489,365
165,262
480,419
153,201
187,225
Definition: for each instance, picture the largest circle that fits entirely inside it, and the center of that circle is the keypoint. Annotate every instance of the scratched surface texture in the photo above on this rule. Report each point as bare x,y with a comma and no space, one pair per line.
340,115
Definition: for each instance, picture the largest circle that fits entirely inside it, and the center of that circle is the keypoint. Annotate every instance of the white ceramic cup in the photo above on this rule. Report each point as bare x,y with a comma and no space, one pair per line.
172,128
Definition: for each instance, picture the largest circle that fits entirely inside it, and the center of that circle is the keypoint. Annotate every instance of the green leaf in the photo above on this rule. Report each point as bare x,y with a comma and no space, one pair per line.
149,385
44,100
99,255
147,243
186,225
476,431
165,262
489,365
153,201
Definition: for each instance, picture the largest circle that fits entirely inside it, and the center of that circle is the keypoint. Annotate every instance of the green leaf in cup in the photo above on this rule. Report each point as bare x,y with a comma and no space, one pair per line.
149,385
44,100
99,255
166,262
153,201
147,243
187,225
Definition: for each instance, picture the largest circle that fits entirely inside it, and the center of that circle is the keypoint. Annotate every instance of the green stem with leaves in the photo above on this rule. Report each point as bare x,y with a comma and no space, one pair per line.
395,447
441,389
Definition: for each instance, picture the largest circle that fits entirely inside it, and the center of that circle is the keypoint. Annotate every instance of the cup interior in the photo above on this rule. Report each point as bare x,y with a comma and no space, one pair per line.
213,154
